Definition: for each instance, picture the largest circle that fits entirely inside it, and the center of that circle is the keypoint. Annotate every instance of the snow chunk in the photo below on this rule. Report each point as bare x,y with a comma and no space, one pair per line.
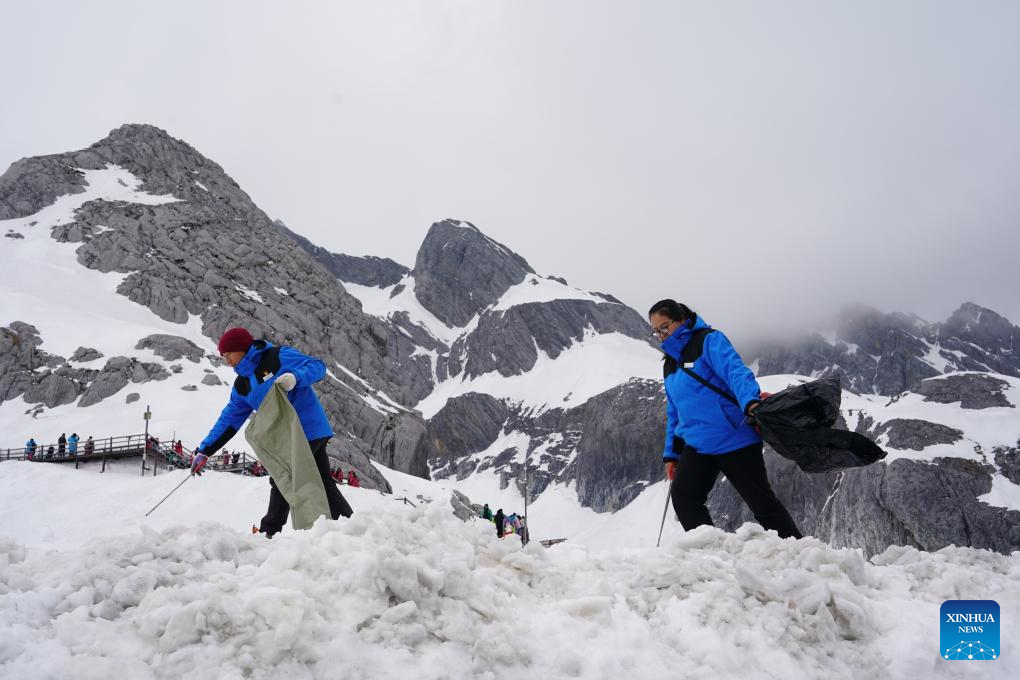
414,592
249,293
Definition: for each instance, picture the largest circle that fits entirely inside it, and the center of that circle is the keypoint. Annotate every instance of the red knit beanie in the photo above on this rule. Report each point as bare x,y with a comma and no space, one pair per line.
235,340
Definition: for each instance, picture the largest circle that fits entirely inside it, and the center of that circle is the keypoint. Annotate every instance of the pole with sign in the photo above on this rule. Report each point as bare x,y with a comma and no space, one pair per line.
145,446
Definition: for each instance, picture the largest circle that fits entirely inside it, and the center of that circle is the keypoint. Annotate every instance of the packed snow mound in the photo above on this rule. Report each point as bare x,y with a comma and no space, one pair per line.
402,592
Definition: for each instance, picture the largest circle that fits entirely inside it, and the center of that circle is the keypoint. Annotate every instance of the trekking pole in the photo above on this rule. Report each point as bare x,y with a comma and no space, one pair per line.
168,495
669,494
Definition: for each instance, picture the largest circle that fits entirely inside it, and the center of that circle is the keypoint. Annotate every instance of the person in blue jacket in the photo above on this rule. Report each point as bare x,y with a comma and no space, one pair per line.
259,364
710,396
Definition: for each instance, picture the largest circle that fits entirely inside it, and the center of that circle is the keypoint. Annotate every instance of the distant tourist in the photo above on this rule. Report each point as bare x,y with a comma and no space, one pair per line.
61,443
90,446
352,479
30,447
499,519
486,512
72,444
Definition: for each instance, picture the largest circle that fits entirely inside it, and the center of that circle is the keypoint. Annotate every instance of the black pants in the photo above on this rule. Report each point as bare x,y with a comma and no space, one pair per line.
745,468
279,509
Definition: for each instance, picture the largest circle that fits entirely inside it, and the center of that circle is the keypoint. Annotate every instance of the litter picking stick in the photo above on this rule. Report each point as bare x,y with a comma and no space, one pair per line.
179,486
669,494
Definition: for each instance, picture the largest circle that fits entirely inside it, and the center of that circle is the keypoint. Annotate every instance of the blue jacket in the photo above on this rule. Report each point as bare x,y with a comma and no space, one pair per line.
256,373
695,414
72,443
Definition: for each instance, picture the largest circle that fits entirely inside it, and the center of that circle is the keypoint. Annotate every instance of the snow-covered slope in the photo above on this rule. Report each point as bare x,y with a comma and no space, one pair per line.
412,592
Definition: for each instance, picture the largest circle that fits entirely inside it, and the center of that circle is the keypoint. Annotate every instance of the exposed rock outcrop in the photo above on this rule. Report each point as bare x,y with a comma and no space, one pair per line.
172,347
971,390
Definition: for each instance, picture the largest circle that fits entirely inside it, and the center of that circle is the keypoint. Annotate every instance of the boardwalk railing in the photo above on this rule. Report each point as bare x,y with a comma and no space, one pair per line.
111,447
164,453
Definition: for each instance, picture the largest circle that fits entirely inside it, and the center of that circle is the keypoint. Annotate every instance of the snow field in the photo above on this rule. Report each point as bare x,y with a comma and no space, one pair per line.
589,367
402,592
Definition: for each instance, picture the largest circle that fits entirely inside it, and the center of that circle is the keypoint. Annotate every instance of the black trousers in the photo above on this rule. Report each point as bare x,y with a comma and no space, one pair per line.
279,509
745,468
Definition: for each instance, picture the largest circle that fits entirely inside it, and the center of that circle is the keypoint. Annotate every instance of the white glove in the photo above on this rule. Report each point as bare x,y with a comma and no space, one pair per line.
287,381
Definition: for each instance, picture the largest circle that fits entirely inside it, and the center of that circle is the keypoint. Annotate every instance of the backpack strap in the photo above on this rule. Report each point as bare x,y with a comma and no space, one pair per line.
721,393
693,350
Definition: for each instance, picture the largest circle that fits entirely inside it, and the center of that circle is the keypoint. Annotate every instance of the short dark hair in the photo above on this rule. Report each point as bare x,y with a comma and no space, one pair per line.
676,311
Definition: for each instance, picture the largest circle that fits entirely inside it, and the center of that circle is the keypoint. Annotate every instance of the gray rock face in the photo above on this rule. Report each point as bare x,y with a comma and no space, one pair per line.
971,390
53,390
467,424
609,447
133,397
620,448
20,357
190,388
107,384
380,272
928,506
211,379
115,376
172,347
30,185
921,504
1007,459
916,435
460,271
13,234
83,354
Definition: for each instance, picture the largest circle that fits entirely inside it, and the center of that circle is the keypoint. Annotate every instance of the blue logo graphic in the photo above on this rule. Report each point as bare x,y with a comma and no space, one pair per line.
969,630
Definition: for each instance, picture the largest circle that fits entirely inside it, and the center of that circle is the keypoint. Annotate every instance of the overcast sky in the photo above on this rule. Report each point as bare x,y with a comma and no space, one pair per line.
764,162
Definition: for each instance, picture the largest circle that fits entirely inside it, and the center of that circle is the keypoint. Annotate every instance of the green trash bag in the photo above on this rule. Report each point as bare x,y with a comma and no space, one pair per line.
279,442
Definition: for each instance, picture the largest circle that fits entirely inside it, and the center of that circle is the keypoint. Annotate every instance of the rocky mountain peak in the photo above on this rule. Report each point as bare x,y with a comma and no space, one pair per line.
460,271
982,326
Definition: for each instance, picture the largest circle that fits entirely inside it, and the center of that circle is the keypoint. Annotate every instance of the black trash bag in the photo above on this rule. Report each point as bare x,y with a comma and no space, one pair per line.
798,424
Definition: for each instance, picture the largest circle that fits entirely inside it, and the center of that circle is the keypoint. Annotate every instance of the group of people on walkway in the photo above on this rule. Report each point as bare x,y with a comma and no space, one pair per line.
65,447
